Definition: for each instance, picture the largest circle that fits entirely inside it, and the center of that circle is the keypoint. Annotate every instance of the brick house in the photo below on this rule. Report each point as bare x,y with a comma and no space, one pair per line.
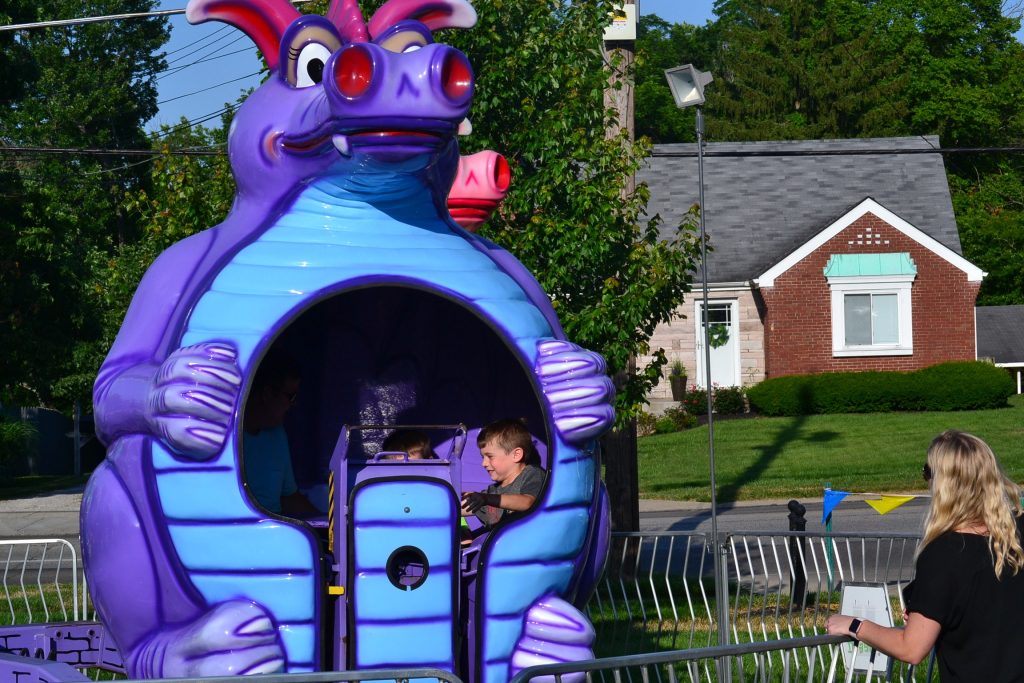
820,262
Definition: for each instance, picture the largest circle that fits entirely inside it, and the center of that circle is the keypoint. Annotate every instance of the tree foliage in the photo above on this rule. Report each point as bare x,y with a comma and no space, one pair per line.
570,216
809,69
185,195
87,86
661,45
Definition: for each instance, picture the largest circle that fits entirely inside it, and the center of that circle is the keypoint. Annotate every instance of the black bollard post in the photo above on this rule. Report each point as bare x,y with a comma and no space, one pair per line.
798,578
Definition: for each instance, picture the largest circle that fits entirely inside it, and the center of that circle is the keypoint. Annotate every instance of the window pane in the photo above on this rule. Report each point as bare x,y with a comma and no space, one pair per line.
885,319
718,313
858,319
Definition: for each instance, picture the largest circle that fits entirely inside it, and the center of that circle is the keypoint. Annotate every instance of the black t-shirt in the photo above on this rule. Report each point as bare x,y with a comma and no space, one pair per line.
982,618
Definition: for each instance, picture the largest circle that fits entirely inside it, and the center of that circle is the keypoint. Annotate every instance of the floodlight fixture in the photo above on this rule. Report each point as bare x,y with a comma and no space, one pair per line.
687,85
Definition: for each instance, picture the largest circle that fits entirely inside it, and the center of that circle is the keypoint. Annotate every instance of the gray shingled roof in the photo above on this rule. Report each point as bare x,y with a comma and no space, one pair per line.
759,209
1000,333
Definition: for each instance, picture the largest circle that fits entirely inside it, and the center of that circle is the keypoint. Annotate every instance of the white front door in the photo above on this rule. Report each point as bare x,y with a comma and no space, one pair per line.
723,316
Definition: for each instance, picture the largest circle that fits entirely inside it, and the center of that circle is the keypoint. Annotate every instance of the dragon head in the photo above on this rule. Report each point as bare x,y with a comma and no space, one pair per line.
345,94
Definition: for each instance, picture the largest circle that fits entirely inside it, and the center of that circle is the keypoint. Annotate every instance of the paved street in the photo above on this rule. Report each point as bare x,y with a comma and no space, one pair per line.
56,516
851,516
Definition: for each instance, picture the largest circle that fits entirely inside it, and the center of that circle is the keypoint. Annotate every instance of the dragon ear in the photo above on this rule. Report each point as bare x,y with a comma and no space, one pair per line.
348,19
262,20
435,14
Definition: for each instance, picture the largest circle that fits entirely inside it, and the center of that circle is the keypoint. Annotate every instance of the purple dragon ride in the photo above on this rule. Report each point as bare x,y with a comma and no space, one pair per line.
340,248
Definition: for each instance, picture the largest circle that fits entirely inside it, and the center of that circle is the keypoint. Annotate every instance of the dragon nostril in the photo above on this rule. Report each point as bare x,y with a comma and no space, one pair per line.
353,71
502,173
456,77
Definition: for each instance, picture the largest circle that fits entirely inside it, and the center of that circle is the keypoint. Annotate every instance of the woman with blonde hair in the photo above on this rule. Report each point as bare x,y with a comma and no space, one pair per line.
967,598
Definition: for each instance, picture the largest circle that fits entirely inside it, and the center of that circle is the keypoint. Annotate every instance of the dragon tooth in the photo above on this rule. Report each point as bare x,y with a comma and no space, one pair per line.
341,144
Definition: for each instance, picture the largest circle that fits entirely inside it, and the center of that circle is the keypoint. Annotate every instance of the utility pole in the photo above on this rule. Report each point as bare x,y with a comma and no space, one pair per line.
619,446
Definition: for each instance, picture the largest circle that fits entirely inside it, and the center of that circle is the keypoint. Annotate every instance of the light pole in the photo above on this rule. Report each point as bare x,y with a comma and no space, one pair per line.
687,84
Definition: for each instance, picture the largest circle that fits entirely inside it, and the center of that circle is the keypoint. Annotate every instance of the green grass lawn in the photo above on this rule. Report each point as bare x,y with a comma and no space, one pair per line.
782,457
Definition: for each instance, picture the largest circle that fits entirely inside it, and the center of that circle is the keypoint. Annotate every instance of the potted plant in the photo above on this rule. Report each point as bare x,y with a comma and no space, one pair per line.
677,380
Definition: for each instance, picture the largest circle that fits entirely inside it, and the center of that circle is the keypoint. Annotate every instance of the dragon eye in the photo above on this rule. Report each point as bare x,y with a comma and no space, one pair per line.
404,41
405,36
309,67
307,45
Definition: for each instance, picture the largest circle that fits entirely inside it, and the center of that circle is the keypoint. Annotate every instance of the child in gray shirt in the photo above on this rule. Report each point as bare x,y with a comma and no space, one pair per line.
513,463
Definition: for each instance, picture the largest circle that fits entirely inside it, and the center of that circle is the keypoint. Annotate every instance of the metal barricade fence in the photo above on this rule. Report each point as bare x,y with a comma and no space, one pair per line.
811,659
657,592
41,581
378,675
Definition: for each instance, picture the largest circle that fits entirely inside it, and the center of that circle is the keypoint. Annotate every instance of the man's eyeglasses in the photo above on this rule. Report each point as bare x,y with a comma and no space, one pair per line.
926,472
290,395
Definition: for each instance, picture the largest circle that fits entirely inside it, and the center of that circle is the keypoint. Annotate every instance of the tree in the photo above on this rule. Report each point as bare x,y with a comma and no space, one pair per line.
659,46
799,69
990,215
186,195
93,87
540,80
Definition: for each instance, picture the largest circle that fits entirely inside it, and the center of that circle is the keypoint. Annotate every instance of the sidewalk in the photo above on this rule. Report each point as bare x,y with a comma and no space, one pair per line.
50,515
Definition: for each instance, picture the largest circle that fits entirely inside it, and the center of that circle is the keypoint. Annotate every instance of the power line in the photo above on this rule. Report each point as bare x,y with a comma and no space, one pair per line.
196,92
222,29
170,71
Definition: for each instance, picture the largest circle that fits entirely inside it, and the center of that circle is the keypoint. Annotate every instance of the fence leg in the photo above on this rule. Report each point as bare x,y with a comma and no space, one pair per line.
798,580
723,664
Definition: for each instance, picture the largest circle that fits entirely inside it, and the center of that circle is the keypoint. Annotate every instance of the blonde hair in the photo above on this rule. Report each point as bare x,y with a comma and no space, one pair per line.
968,489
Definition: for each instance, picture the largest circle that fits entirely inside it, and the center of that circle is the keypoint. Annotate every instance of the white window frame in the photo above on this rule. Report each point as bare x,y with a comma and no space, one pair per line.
899,285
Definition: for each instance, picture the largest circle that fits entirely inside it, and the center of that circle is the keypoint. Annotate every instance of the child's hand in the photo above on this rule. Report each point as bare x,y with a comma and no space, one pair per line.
474,500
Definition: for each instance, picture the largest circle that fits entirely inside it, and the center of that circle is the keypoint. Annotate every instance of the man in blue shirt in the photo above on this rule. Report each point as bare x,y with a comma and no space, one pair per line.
268,464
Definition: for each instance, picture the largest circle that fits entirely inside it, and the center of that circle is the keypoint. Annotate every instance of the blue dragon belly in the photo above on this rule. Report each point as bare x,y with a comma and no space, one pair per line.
327,239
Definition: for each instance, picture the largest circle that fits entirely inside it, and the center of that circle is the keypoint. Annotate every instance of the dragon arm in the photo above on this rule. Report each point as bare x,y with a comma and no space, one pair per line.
185,398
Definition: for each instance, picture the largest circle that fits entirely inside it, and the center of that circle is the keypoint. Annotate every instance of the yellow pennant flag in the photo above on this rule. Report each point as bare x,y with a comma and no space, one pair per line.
888,503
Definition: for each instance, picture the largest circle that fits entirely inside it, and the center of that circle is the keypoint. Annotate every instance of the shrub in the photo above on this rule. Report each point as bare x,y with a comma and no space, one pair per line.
964,385
696,401
680,418
15,437
665,425
729,401
645,424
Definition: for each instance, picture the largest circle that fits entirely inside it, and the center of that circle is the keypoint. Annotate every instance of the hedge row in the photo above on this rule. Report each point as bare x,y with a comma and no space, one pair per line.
967,385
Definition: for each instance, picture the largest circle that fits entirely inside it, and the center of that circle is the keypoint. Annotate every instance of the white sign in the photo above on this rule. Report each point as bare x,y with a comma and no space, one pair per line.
868,601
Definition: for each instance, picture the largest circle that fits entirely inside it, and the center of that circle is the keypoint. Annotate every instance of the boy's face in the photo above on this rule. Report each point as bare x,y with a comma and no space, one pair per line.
502,465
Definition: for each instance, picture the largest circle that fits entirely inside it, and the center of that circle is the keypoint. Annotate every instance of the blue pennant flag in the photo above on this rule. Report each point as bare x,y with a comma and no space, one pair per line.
832,499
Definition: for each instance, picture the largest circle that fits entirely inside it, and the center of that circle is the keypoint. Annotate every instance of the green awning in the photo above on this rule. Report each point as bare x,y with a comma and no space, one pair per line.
852,265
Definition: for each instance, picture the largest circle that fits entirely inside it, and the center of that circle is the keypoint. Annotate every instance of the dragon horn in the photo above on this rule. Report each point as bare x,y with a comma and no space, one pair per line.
348,19
262,20
436,14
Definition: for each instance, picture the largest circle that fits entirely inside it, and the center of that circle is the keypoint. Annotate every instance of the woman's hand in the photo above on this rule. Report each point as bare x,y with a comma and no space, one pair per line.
839,625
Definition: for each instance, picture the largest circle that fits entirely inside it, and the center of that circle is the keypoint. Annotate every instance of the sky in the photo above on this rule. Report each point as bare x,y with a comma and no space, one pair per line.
195,89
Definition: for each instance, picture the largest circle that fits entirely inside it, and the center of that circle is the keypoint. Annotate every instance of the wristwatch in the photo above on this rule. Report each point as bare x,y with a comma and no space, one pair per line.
855,627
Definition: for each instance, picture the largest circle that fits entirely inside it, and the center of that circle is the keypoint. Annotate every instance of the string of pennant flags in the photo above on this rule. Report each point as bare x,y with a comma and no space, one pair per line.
883,503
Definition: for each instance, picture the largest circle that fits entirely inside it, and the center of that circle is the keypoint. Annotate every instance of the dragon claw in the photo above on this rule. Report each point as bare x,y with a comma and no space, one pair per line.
577,389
